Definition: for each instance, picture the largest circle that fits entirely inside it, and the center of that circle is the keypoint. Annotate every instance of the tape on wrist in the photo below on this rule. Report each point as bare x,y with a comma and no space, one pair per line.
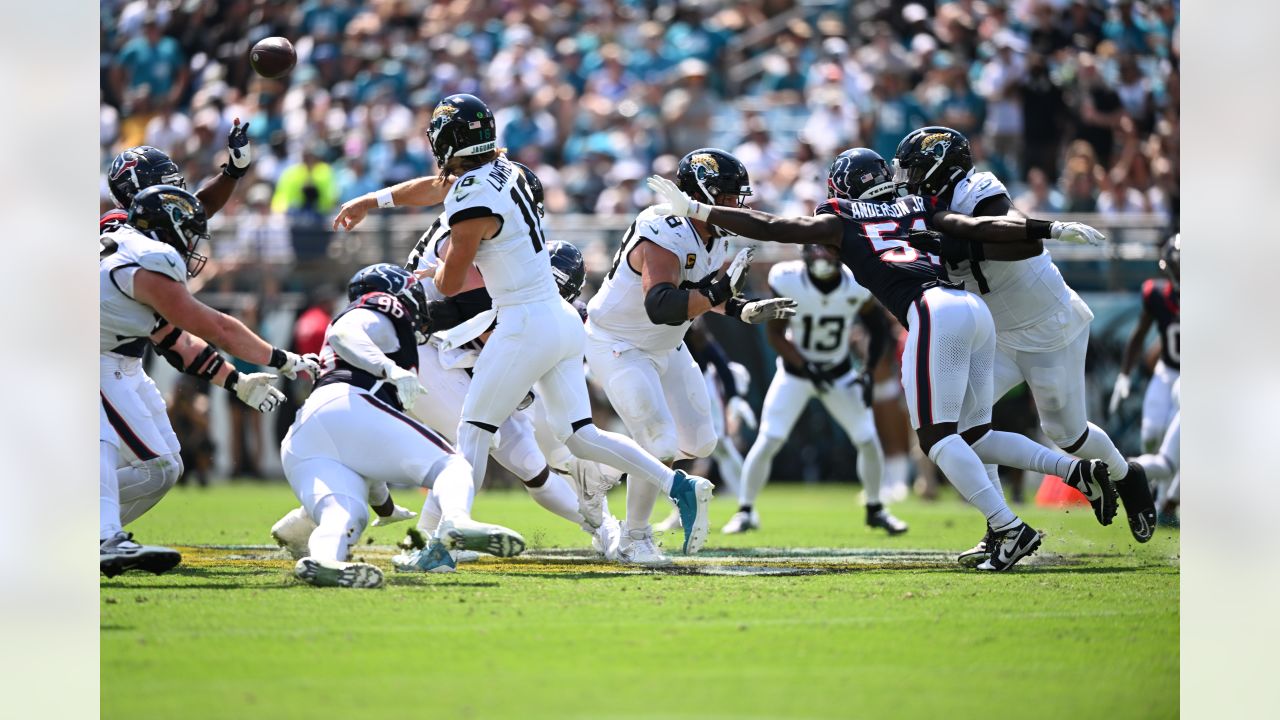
384,198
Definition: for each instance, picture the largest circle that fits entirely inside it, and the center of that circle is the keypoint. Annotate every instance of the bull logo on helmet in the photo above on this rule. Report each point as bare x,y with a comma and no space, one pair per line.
936,144
123,162
704,164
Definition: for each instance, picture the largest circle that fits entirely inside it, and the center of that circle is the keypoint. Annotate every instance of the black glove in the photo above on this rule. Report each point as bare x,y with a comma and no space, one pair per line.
814,372
237,151
945,247
866,384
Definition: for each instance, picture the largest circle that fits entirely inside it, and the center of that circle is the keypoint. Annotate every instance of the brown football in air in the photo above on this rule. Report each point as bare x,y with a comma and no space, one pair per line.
273,57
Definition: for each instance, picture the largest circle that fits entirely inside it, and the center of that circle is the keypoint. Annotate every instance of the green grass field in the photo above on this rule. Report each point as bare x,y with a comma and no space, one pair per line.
1090,629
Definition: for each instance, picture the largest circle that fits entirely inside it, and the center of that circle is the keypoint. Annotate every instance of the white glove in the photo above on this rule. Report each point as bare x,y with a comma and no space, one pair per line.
758,311
256,391
406,383
1118,393
397,515
737,272
742,409
1076,233
675,201
295,363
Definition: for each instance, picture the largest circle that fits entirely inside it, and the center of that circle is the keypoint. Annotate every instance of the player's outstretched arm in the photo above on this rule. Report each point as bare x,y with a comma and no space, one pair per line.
216,191
824,229
193,356
418,192
355,337
1009,228
173,302
460,254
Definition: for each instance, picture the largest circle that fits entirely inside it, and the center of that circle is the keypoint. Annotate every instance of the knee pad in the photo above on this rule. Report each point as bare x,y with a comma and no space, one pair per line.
705,444
159,474
520,454
865,431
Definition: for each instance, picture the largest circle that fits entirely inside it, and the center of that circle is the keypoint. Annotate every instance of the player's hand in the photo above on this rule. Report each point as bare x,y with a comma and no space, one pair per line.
926,241
817,376
759,311
1076,233
731,283
866,385
353,212
408,389
738,407
238,151
1118,393
399,514
293,364
256,391
675,202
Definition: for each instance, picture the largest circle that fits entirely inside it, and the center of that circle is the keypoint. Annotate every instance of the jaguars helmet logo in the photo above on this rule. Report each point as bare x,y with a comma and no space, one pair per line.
442,115
936,144
704,165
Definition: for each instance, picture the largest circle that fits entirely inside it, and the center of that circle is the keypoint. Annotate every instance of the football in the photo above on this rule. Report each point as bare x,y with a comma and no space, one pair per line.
273,57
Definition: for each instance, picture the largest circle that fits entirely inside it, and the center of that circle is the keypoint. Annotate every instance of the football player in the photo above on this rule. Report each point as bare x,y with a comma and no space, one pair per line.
727,384
665,273
1042,325
143,269
814,360
946,367
354,429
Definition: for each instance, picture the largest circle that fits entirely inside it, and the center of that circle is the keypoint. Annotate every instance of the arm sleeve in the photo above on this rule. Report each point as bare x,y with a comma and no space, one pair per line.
363,337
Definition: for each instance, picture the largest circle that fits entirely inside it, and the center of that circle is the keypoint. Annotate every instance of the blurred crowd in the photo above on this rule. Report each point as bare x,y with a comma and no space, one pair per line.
1074,103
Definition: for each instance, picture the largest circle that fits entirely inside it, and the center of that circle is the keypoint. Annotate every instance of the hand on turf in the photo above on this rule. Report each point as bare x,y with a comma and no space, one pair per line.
1076,233
238,151
758,311
399,514
1118,393
675,202
408,389
256,391
738,407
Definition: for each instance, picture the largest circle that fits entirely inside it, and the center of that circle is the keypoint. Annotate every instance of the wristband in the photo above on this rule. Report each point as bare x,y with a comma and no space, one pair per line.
384,198
278,358
1038,229
699,211
233,172
232,379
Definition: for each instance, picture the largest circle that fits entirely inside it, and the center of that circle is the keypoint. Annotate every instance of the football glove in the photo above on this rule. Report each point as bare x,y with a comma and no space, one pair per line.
397,515
944,246
758,311
675,202
1118,393
256,391
408,389
740,408
290,363
1076,233
731,283
238,151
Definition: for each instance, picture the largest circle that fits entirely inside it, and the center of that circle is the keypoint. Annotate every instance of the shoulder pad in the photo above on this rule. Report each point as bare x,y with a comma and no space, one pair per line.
112,220
162,259
381,302
831,207
974,189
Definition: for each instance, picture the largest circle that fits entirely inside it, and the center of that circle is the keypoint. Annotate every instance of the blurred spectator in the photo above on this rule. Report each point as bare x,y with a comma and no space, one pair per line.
152,60
188,409
1040,197
1000,83
308,186
246,422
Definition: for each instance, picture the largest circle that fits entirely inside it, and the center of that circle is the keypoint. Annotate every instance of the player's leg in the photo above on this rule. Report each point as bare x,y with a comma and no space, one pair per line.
844,402
441,407
783,402
518,452
149,457
725,454
336,500
684,389
1157,407
144,485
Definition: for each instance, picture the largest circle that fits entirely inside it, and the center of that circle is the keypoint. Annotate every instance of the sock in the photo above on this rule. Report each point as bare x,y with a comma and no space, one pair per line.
342,519
379,494
993,476
729,461
746,508
965,471
1097,445
621,452
755,469
1020,451
474,443
108,491
641,497
429,518
870,465
454,489
558,496
896,468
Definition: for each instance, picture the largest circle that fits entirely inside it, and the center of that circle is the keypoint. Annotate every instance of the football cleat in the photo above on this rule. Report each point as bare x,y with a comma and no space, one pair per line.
332,573
1091,479
119,553
606,538
638,548
1011,545
434,559
692,496
878,517
979,553
1138,503
293,532
467,534
742,521
592,483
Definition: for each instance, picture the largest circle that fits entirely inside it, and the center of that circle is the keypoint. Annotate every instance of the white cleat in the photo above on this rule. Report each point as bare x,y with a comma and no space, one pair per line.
592,481
332,573
638,548
467,534
293,531
607,537
742,521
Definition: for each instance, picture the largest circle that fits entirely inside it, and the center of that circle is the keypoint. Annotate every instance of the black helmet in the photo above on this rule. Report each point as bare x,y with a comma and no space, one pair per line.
568,268
461,125
392,280
859,174
1171,257
931,160
535,186
822,261
707,174
138,168
175,217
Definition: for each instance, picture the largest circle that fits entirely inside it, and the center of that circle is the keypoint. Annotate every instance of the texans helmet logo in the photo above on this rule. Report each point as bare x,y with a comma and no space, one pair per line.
126,161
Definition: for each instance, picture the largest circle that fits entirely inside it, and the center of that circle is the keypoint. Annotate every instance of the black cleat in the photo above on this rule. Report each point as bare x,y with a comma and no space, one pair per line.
979,553
1135,494
1090,478
120,554
1011,546
878,517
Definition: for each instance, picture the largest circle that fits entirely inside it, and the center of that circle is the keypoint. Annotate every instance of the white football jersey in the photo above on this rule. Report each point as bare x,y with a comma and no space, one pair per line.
123,320
426,255
1033,308
821,327
515,263
617,310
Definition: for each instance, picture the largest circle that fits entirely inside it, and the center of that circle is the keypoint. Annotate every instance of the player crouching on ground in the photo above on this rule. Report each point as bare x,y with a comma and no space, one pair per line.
353,432
143,268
